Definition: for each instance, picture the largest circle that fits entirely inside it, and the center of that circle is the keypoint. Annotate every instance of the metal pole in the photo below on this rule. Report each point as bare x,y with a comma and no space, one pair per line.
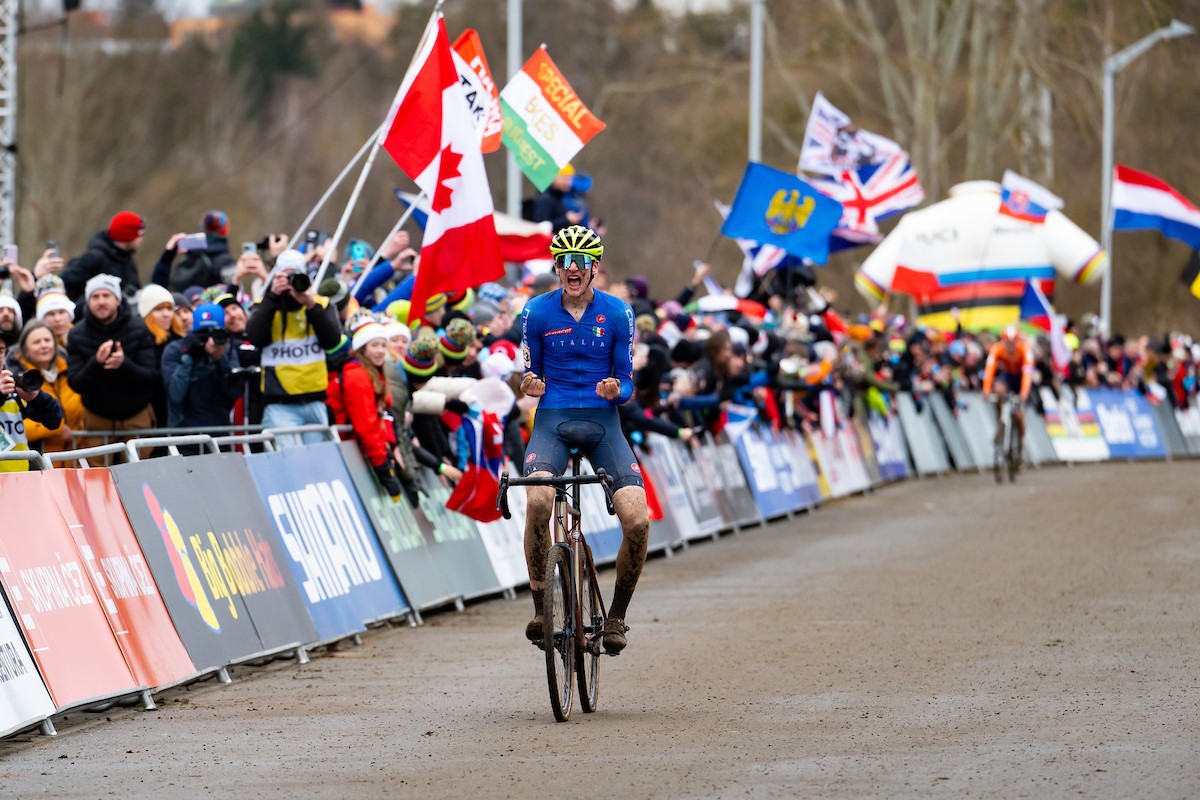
515,46
1106,169
375,259
331,245
8,119
756,78
362,151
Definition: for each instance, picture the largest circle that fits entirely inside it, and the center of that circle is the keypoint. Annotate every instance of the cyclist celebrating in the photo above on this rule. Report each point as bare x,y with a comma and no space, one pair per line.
578,345
1010,360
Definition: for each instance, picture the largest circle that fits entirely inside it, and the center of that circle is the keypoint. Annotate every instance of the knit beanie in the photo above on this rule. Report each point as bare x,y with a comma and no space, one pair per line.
215,222
102,281
455,339
398,310
125,227
365,331
152,297
461,301
8,301
421,359
492,291
52,297
211,294
391,329
434,303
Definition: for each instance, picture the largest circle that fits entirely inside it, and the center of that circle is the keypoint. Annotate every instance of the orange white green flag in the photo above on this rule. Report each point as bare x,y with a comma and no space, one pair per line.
545,122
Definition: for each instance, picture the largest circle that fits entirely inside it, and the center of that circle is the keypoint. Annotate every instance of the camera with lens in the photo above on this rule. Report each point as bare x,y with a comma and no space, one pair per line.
30,380
299,281
4,272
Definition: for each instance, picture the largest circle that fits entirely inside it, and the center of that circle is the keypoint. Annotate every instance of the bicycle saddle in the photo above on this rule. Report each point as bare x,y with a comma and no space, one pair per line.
580,434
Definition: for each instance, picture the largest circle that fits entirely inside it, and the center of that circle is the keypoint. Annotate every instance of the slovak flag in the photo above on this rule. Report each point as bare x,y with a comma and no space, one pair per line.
1037,311
431,136
482,436
1021,198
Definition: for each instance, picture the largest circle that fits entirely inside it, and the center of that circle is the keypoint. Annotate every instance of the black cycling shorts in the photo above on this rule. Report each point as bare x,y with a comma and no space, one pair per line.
596,432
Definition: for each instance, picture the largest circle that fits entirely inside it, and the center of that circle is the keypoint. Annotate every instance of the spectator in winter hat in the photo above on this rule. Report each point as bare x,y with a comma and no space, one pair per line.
54,308
399,337
110,252
195,372
246,361
455,340
293,329
183,311
111,361
17,405
493,292
421,360
356,395
156,307
199,266
10,316
38,350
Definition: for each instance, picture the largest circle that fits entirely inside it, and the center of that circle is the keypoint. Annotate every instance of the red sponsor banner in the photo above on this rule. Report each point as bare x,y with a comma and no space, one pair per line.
120,576
469,46
51,592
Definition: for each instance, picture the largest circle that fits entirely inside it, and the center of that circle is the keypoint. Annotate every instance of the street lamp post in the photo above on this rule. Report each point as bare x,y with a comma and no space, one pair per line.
1112,65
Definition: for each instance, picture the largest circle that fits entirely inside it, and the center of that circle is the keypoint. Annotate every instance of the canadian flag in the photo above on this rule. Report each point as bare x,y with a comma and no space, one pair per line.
431,136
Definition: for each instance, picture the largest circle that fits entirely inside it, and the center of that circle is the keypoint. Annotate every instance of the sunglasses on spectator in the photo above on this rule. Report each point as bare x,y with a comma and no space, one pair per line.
218,335
581,260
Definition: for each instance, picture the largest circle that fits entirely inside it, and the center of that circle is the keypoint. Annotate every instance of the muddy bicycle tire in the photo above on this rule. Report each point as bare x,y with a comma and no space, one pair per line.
558,631
591,618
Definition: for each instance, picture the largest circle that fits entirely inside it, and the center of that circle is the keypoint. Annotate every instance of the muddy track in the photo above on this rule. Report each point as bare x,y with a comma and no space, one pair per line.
938,638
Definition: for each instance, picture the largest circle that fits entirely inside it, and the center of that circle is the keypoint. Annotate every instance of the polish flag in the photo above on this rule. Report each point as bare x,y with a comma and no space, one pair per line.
431,136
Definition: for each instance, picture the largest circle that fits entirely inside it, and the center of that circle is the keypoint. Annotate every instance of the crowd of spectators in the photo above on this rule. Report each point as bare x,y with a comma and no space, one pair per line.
263,339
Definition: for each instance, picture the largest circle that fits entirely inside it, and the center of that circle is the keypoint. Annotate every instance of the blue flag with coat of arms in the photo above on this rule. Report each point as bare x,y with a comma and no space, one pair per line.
776,208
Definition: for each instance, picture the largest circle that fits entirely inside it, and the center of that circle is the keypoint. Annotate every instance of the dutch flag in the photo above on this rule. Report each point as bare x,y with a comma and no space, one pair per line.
1143,202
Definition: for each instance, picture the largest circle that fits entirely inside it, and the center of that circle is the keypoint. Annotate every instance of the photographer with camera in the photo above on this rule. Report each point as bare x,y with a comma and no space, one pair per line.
196,370
293,327
21,398
37,351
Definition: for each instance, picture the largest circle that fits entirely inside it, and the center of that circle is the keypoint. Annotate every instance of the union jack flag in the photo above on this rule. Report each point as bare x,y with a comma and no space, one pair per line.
868,195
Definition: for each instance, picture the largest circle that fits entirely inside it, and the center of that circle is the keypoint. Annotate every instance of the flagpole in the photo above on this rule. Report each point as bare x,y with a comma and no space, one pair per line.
375,259
331,245
756,79
333,186
513,172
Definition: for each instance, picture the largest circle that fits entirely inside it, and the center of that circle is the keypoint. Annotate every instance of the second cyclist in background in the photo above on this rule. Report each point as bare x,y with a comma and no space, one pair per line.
1009,369
578,347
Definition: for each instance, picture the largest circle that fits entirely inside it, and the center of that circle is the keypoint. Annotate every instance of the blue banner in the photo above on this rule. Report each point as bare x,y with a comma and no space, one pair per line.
342,572
890,454
778,208
763,473
1127,424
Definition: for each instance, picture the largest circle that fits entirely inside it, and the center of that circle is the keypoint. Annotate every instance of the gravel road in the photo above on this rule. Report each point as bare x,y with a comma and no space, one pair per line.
938,638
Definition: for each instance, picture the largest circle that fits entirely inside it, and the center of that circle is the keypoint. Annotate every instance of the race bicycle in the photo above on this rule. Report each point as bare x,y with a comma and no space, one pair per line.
573,613
1008,442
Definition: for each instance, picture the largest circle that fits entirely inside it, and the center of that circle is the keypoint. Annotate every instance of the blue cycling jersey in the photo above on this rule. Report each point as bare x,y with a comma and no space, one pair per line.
573,356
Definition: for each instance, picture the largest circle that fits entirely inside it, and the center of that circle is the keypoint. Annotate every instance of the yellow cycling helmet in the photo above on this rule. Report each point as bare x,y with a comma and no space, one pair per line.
576,239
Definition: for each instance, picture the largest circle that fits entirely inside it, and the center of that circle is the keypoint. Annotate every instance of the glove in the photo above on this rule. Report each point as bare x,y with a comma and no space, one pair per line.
457,406
387,479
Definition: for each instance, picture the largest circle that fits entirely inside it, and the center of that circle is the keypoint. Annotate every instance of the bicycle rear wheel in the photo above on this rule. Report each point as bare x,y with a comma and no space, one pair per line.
591,618
1000,448
558,631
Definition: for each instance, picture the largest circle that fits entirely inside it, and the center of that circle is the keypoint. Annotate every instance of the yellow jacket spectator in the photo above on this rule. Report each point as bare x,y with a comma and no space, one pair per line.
36,349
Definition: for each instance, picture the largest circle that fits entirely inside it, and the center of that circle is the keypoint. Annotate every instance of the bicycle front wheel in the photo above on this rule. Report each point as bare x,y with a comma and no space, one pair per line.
591,620
558,631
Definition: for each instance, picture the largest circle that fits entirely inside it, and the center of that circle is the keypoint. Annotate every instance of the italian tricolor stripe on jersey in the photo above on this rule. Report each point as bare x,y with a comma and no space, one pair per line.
545,122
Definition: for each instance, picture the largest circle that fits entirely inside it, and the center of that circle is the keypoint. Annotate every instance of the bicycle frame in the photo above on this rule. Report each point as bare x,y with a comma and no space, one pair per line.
583,598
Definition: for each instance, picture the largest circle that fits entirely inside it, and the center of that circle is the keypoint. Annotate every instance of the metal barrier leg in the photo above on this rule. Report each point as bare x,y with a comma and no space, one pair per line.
302,655
357,639
223,675
47,728
148,701
459,605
